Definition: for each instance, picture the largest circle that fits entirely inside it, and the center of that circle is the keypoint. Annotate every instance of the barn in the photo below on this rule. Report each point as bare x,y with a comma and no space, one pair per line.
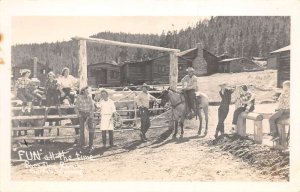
156,70
38,69
235,65
280,60
103,74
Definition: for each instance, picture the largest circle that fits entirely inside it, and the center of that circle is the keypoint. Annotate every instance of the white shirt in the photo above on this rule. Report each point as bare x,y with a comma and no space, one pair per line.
67,82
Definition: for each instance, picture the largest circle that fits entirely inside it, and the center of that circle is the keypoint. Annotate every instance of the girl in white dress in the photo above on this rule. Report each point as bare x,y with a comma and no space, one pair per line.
107,111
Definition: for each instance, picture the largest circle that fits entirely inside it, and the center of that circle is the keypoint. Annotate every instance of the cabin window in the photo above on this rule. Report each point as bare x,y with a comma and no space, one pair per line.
43,71
114,74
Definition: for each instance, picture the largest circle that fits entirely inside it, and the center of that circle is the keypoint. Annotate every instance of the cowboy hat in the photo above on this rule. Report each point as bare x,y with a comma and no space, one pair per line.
103,90
190,69
64,69
51,73
25,71
145,85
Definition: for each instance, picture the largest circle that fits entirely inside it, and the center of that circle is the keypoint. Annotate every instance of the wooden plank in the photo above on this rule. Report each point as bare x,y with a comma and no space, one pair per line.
82,67
44,107
173,76
45,127
118,43
42,117
45,138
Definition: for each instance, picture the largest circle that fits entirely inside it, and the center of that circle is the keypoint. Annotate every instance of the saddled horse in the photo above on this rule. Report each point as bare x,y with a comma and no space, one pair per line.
179,113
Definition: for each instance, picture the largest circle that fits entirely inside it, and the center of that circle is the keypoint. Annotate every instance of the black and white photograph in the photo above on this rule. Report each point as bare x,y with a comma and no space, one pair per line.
150,98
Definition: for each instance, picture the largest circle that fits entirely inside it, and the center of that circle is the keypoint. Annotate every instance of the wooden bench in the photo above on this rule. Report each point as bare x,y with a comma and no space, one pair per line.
241,125
283,124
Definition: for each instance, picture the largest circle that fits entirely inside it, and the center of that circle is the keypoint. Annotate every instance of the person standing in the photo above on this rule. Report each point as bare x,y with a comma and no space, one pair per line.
282,110
223,109
246,101
84,108
142,101
189,87
107,110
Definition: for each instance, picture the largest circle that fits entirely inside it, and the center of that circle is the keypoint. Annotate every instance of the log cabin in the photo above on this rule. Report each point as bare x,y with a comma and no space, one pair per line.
280,60
236,65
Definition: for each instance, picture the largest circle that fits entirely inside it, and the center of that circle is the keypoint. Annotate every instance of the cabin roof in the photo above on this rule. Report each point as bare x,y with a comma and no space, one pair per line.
182,53
231,59
287,48
103,63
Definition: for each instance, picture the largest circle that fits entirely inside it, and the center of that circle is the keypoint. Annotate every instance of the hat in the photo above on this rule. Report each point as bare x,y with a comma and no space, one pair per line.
103,90
23,71
190,69
83,89
35,80
223,84
145,85
63,70
51,73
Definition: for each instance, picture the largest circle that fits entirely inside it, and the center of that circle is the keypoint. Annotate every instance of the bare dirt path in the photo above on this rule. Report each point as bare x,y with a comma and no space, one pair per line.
186,159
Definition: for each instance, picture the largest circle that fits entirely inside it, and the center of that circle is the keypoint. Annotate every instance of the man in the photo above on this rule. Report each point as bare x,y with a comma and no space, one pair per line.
223,110
189,87
142,100
84,108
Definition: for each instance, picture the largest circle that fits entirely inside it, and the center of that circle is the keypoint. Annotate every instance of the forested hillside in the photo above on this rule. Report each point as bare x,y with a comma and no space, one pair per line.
239,36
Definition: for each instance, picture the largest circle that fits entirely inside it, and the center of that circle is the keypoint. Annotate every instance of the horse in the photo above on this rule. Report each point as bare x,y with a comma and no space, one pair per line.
179,113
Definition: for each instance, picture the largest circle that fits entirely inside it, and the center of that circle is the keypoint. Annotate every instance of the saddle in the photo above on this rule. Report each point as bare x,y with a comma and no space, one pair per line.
192,105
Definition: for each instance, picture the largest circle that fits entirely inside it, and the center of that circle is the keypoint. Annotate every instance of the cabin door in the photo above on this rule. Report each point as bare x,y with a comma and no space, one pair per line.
148,72
101,76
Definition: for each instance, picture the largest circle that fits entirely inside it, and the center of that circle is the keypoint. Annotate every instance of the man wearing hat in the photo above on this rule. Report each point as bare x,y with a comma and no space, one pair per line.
84,108
142,101
223,110
189,87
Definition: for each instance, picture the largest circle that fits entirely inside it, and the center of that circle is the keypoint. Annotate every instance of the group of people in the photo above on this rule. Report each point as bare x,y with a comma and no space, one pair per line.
63,90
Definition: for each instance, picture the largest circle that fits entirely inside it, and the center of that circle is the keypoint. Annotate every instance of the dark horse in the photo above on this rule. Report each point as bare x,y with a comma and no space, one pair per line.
179,113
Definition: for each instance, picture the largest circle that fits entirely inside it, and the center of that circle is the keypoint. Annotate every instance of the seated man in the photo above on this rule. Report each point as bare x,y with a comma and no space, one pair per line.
283,109
189,87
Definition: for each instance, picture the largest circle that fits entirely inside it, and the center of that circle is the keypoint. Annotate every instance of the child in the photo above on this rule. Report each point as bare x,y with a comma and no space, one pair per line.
283,109
107,110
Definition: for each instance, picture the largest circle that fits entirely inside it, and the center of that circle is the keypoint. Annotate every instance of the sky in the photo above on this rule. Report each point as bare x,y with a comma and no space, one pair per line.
39,29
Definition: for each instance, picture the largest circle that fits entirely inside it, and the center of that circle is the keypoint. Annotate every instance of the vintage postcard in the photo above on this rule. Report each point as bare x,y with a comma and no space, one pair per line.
183,101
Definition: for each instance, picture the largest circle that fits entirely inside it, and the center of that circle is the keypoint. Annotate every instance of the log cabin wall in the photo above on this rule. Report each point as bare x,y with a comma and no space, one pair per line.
283,73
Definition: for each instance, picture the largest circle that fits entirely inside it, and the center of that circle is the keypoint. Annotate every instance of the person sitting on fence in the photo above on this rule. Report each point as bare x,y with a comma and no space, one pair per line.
52,93
22,92
35,90
84,108
245,101
282,110
107,110
223,110
189,87
67,86
142,100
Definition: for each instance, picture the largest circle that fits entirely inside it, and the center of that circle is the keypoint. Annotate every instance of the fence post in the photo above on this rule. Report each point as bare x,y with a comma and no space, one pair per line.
258,134
241,125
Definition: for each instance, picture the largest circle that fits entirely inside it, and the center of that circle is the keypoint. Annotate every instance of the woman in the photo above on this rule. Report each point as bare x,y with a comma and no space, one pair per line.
22,89
107,111
245,101
52,93
67,83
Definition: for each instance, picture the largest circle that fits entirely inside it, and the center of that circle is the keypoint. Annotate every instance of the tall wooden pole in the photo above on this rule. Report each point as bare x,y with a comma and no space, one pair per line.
173,76
82,68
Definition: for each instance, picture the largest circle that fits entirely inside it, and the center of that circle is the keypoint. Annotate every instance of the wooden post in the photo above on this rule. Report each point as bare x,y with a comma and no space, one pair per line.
241,125
173,76
82,68
258,133
82,74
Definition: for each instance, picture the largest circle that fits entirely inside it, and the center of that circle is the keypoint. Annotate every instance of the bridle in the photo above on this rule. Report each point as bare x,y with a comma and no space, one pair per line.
181,101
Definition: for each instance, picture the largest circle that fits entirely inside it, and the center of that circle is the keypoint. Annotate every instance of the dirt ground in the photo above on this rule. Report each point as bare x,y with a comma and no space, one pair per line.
191,158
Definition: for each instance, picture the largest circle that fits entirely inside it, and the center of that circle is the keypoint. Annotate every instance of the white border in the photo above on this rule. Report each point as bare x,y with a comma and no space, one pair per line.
148,8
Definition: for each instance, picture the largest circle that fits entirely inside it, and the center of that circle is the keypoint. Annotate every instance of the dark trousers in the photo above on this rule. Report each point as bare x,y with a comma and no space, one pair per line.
145,120
68,95
24,95
222,114
190,97
111,137
85,117
273,120
238,111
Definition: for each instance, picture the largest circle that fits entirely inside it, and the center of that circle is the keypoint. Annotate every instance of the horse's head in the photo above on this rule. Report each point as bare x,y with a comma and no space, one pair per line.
164,97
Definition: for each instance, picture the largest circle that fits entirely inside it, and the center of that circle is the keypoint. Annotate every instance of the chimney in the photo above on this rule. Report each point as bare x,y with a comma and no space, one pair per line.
35,59
199,63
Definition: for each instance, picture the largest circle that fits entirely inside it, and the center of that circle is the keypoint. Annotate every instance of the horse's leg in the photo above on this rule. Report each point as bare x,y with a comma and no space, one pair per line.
181,126
200,122
176,128
205,109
